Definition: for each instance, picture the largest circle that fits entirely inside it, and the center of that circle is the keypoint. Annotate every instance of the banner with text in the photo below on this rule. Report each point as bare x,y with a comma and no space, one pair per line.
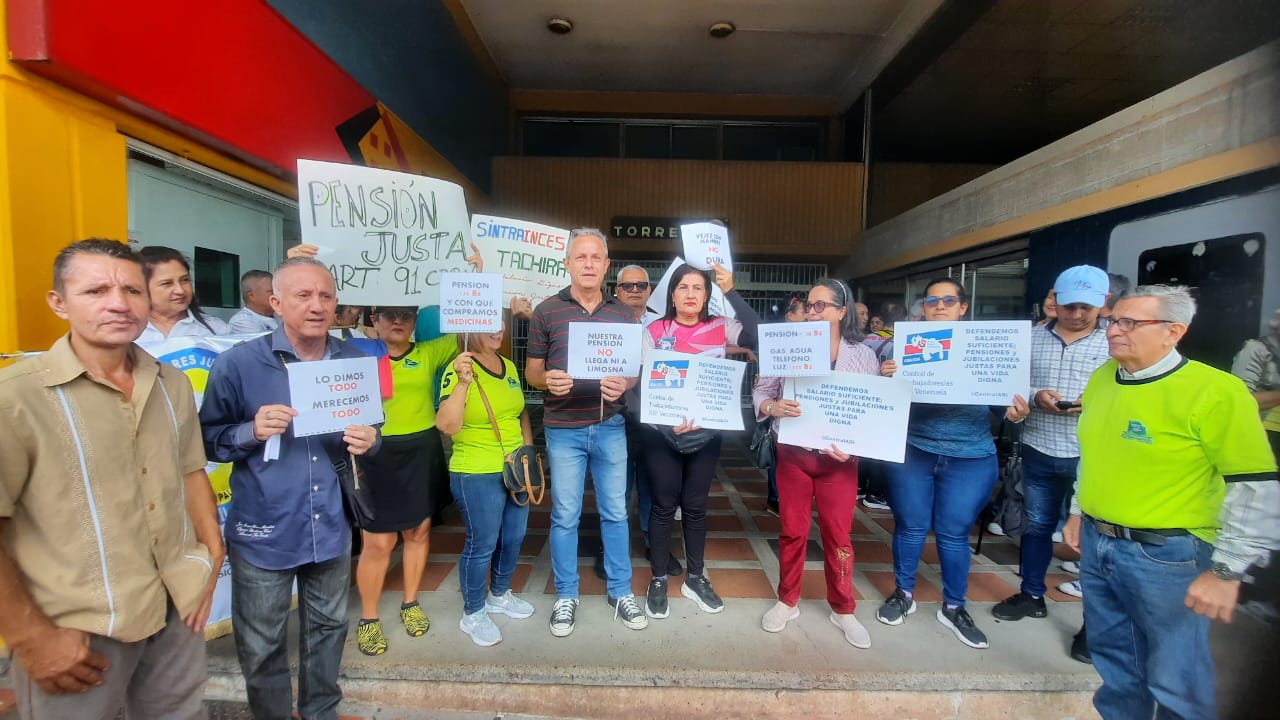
705,390
600,350
799,349
329,395
863,415
529,256
386,236
658,300
470,302
706,244
964,363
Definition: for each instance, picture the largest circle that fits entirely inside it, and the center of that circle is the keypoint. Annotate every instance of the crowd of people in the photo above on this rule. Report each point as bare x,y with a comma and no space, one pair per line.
1159,470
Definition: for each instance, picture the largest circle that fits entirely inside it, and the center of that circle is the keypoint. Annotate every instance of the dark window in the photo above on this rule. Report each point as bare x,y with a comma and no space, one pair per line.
772,142
648,141
571,138
217,278
695,142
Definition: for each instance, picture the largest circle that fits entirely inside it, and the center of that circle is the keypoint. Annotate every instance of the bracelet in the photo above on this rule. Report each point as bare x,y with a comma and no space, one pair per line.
768,408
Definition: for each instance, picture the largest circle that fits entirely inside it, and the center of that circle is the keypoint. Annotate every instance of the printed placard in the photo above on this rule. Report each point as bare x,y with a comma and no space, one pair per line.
706,244
705,390
529,255
863,415
964,363
386,236
329,395
600,350
799,349
658,300
470,302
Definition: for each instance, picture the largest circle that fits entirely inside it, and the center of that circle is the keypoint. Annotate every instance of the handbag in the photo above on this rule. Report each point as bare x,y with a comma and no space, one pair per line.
357,498
763,445
1011,513
523,472
686,443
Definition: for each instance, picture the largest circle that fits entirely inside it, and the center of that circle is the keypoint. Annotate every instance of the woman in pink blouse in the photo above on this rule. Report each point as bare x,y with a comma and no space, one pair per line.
829,476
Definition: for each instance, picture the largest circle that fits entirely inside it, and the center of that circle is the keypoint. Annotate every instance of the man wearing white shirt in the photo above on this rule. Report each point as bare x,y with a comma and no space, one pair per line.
256,317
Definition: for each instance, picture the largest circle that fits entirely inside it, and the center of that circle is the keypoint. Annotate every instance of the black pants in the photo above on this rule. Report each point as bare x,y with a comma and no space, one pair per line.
682,481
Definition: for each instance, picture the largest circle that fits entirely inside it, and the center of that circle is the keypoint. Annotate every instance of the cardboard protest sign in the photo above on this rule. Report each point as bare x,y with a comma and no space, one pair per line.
470,302
329,395
658,299
530,256
964,363
705,390
863,415
600,350
706,244
801,349
386,236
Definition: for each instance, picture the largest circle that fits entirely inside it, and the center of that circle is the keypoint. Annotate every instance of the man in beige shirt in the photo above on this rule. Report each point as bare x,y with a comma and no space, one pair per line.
108,527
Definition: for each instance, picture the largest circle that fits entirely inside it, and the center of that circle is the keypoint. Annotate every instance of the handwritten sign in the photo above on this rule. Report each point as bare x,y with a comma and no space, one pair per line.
863,415
964,363
600,350
386,236
659,301
470,302
529,256
329,395
706,390
801,349
706,244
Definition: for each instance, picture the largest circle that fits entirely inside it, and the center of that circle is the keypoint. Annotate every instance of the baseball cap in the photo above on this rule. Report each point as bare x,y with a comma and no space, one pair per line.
1082,284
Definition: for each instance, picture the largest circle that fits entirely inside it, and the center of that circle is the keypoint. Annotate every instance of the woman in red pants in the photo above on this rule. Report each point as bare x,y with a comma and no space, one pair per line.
829,476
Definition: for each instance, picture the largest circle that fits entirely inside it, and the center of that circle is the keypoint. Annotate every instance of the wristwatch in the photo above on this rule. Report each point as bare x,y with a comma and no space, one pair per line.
1226,573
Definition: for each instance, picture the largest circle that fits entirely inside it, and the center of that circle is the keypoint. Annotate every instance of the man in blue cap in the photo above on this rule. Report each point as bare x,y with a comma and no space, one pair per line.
1064,353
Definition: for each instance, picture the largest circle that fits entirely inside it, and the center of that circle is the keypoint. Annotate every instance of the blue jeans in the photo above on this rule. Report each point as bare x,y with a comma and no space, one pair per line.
495,530
260,602
945,494
1151,651
602,447
1046,480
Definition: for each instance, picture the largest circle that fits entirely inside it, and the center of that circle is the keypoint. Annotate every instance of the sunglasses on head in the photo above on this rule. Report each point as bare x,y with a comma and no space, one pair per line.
820,306
401,315
634,286
947,301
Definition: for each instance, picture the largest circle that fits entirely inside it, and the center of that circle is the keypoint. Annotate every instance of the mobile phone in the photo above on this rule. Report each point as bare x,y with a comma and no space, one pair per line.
1067,404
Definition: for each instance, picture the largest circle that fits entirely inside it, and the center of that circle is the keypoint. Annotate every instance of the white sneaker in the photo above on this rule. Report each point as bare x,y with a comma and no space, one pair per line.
853,630
1072,588
678,515
995,529
480,629
508,604
1071,566
1057,537
778,616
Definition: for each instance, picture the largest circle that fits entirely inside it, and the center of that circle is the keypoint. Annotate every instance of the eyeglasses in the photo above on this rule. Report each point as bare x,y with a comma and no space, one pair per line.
634,286
820,306
947,301
1128,324
397,315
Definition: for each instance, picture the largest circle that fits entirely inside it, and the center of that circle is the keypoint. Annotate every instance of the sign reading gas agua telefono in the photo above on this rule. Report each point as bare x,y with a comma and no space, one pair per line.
385,236
964,363
675,387
329,395
470,302
706,244
800,349
530,256
600,350
863,415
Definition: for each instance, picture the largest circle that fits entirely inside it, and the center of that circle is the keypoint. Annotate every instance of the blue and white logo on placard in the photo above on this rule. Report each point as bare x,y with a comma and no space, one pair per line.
669,374
927,347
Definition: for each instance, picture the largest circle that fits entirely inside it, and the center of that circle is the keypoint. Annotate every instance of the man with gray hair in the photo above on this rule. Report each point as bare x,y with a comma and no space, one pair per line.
256,316
1177,496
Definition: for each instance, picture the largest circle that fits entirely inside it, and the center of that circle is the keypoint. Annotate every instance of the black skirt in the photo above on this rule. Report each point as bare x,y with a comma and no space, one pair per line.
408,480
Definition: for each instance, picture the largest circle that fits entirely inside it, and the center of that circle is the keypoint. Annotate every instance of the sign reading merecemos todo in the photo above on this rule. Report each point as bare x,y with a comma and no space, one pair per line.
386,236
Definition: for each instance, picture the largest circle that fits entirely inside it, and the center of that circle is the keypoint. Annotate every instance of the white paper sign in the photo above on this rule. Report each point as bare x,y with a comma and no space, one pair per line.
470,302
658,298
799,349
863,415
386,236
329,395
529,256
964,363
600,350
705,390
706,244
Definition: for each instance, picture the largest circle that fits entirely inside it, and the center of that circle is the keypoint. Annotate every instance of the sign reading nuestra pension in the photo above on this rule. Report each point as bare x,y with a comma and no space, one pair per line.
661,228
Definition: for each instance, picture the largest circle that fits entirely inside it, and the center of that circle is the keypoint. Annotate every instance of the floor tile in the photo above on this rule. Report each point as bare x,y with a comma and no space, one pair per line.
883,581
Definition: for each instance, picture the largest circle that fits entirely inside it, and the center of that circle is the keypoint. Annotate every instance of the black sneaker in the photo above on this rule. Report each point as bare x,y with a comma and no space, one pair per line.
628,611
1016,607
655,600
962,625
674,568
1080,648
698,589
598,566
874,502
896,608
771,507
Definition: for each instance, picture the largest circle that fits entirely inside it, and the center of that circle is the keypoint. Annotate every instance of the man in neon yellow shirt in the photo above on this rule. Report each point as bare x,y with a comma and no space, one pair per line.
1177,496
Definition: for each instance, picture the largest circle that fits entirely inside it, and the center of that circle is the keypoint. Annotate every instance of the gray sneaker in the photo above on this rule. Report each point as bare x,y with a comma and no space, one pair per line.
508,604
896,608
628,611
562,614
480,628
962,625
698,589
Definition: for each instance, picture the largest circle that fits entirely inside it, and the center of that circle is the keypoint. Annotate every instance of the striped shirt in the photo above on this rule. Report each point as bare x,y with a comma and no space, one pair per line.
549,341
1063,368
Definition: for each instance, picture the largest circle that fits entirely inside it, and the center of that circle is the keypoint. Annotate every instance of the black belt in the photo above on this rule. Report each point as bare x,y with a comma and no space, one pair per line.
1149,536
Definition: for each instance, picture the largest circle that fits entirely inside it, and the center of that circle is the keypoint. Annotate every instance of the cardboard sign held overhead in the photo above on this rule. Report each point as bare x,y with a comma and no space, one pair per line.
706,244
530,256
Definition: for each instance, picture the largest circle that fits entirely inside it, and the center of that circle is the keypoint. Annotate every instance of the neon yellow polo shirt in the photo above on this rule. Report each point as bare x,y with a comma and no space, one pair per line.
411,407
475,447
